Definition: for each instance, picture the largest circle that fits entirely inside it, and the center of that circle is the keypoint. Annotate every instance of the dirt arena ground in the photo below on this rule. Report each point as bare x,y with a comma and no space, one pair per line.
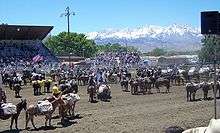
125,113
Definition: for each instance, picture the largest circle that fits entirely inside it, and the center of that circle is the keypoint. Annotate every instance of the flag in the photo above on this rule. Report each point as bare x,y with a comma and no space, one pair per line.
37,58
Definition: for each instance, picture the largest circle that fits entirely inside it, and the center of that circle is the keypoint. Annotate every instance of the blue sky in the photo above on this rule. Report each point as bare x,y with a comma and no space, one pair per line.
96,15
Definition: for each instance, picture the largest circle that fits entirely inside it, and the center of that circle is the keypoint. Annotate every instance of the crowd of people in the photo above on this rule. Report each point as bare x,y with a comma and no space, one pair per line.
12,51
118,59
63,80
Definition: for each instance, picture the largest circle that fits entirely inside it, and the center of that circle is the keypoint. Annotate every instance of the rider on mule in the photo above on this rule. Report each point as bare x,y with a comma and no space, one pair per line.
56,91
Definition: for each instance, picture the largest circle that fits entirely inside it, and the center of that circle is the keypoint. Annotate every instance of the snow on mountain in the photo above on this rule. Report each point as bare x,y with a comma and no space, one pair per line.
173,37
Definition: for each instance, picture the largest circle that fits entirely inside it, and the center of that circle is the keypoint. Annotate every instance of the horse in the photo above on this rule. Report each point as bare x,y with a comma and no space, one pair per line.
162,82
33,110
14,117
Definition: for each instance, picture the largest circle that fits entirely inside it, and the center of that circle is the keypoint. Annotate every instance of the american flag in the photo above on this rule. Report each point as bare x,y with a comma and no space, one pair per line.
37,58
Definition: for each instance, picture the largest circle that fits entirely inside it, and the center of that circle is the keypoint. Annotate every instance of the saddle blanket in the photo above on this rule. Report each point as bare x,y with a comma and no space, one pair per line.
9,108
44,106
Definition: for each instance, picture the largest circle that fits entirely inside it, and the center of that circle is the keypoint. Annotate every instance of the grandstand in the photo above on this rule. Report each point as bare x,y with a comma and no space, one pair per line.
19,42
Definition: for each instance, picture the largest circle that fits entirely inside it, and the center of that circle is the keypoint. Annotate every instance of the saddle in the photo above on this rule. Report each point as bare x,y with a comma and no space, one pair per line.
8,109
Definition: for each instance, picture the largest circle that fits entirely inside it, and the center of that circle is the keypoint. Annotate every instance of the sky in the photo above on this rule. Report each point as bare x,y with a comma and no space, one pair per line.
98,15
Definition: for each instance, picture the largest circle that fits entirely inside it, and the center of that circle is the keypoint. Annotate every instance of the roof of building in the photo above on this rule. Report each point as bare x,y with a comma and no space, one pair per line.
23,32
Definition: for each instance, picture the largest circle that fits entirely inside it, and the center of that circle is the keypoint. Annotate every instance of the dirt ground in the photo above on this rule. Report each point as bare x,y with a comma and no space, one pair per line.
125,113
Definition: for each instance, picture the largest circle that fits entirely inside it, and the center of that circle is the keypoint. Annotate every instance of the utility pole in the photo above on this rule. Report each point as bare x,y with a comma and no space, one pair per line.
67,14
215,77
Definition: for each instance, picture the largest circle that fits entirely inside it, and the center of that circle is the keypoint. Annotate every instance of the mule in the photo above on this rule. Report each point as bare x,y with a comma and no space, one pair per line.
14,117
191,89
33,110
69,105
162,82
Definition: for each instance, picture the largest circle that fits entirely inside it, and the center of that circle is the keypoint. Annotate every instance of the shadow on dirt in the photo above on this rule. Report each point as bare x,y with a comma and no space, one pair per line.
12,131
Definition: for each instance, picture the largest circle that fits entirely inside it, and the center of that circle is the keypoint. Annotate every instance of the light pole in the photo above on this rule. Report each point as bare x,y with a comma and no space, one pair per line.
67,14
215,79
214,76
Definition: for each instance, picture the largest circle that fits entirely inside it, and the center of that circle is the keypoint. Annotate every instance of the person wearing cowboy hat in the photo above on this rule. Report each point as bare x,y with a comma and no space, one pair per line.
214,127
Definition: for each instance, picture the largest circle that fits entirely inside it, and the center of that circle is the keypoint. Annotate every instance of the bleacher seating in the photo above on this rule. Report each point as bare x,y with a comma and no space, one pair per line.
15,50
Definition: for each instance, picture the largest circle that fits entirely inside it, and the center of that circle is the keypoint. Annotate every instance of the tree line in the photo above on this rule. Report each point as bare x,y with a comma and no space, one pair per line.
79,45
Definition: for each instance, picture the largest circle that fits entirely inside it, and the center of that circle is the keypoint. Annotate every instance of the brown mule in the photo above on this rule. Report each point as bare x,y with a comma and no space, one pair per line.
14,117
32,111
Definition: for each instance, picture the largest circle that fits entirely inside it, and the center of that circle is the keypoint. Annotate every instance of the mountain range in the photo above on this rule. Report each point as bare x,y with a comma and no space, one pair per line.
173,37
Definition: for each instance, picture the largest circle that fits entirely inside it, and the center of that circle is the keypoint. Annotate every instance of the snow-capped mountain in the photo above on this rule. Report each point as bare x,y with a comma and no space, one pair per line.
173,37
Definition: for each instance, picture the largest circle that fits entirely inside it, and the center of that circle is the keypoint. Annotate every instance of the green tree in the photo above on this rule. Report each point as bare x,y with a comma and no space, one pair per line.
116,48
78,44
158,52
210,47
